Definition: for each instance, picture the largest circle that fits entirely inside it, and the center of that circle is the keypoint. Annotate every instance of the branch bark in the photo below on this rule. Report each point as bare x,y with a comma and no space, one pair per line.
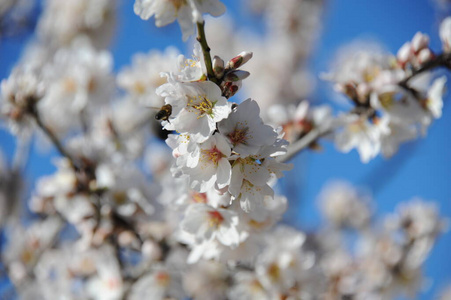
206,52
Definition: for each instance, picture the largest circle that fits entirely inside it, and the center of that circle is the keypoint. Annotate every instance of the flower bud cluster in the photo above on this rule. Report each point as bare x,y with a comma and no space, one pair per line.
229,74
415,53
391,106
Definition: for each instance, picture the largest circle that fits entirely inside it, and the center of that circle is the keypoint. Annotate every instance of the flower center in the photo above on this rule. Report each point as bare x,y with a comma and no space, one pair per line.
203,107
357,126
199,197
215,218
386,100
274,272
238,136
163,278
178,3
213,155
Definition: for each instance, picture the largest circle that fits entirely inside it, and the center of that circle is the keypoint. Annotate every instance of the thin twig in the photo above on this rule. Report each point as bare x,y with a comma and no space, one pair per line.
304,142
441,60
54,139
206,51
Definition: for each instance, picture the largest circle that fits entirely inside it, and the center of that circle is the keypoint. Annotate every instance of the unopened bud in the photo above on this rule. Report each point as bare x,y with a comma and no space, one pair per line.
420,41
404,53
218,67
239,60
425,55
230,88
445,34
236,75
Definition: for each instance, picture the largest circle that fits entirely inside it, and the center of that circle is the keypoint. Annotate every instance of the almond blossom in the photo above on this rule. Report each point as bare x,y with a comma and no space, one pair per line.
208,166
196,107
205,223
186,12
245,130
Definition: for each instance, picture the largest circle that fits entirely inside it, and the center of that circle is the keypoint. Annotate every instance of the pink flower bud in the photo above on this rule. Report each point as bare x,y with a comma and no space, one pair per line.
425,55
230,88
404,53
420,41
239,60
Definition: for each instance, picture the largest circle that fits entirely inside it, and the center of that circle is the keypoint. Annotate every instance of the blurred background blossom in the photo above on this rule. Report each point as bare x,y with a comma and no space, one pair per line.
292,45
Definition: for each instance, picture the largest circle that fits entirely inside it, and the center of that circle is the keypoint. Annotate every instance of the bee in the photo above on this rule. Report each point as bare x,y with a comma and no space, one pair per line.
164,113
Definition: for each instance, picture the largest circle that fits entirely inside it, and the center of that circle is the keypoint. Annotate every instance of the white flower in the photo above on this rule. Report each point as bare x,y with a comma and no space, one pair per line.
155,285
107,284
360,133
245,131
19,94
342,205
79,79
63,21
142,78
298,121
445,34
400,132
282,261
206,223
418,218
434,100
196,107
247,286
208,165
186,12
192,69
206,280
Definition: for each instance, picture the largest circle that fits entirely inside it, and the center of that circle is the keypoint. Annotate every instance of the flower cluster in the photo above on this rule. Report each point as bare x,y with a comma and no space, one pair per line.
126,216
395,98
222,150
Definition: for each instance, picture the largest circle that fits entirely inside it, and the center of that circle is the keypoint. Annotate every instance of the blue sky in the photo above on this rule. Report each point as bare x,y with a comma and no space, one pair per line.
421,168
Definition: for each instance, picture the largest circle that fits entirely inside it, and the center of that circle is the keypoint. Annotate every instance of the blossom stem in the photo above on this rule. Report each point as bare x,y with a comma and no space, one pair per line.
441,60
304,142
48,132
206,52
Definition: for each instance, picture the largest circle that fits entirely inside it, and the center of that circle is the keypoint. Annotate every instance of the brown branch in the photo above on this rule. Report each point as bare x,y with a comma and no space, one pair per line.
304,142
49,133
441,60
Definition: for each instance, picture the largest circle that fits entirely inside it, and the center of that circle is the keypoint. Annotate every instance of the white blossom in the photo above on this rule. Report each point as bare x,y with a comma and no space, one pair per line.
186,12
196,107
245,130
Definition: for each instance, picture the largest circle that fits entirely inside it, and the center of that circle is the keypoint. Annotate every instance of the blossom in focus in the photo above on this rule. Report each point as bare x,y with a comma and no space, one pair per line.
196,107
208,166
245,131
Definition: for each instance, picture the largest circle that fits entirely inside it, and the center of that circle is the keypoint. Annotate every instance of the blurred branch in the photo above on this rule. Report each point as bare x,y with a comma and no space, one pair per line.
304,142
441,60
54,139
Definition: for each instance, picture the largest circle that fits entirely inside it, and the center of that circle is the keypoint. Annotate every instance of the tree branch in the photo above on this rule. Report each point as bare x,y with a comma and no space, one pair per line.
441,60
48,132
304,142
206,52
